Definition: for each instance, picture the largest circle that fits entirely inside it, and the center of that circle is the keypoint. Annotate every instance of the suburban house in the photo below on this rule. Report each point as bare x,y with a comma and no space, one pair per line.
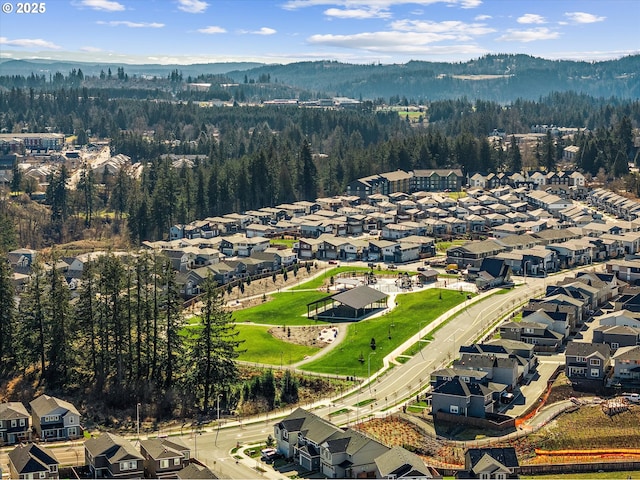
112,456
491,273
398,462
498,463
14,423
349,454
163,457
31,461
457,397
55,419
617,336
626,366
472,253
587,364
317,445
538,334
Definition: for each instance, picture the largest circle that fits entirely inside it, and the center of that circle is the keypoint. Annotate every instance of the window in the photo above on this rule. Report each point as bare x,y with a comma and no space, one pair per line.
71,419
14,423
43,474
176,461
615,345
132,465
53,468
595,372
164,463
453,409
22,422
580,359
594,362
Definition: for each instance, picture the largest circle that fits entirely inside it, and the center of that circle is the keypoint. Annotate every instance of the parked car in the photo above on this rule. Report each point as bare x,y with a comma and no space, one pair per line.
392,267
333,262
632,397
421,269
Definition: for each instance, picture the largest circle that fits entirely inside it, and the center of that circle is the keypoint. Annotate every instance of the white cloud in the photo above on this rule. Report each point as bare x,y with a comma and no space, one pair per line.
531,35
391,43
357,13
91,49
212,30
106,5
379,4
480,18
124,23
531,18
192,6
459,30
28,43
582,17
264,31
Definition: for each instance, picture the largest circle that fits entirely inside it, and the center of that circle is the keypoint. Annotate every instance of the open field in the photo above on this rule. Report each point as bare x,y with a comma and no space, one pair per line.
413,311
262,347
317,282
285,308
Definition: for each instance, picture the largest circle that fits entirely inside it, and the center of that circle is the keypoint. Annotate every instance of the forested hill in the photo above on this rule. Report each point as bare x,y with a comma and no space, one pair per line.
501,78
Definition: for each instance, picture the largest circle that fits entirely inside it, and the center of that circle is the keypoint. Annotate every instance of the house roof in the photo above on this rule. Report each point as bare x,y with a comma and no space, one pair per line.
13,410
583,349
505,457
164,447
113,447
45,404
399,462
32,458
359,297
196,472
627,353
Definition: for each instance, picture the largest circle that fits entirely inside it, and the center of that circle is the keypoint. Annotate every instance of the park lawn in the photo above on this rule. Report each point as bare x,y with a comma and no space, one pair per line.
262,347
285,308
413,312
317,282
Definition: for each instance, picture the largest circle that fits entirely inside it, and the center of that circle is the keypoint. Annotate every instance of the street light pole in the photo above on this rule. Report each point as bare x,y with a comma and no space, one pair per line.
138,421
370,353
218,408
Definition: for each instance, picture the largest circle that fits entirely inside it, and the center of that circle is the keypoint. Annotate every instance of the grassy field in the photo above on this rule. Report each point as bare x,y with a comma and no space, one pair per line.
443,246
333,272
413,311
569,430
288,242
262,347
286,308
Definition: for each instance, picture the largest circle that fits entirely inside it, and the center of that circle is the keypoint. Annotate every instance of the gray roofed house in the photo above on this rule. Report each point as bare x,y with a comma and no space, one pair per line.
456,397
32,461
55,419
14,423
349,454
401,463
110,455
490,463
472,253
587,364
626,366
194,471
163,457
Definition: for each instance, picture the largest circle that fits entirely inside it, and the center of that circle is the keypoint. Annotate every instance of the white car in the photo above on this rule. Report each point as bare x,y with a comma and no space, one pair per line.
632,397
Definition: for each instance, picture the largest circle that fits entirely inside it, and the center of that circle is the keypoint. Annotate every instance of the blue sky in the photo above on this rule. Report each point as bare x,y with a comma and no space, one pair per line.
354,31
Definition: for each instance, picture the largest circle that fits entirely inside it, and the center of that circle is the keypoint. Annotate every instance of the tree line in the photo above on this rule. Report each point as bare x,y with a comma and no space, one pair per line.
121,336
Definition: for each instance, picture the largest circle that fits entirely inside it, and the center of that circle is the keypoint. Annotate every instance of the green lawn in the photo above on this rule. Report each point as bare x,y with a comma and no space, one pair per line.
286,308
443,246
264,348
288,242
333,272
413,312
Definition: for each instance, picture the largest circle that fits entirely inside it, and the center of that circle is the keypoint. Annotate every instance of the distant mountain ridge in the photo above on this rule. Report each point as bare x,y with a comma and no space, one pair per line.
42,66
502,78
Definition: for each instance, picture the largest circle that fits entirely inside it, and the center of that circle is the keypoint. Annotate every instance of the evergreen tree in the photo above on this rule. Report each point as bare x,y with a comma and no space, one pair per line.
213,347
30,345
7,319
515,157
59,331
